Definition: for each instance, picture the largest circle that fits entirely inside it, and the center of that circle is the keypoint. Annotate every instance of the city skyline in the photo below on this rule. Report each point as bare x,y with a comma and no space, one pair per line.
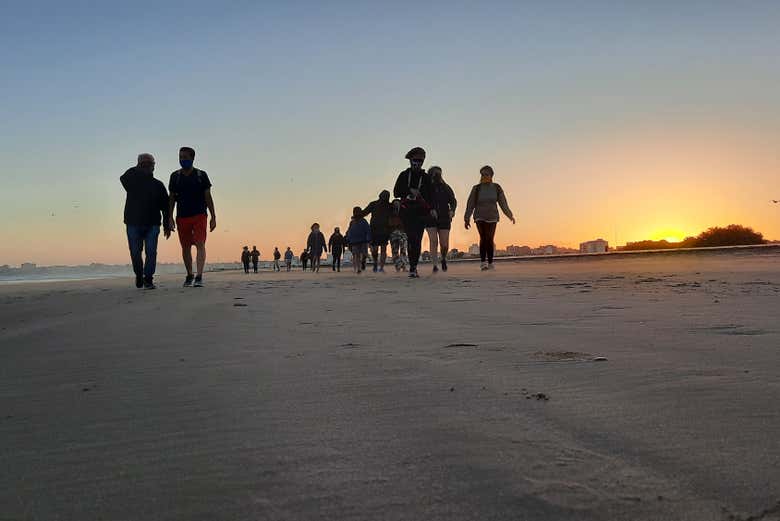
626,122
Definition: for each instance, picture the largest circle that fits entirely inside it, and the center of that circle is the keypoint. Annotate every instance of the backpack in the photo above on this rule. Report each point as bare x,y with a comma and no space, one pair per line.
177,178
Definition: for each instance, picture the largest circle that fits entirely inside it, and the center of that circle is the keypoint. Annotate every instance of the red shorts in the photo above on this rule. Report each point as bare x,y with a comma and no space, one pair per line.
192,230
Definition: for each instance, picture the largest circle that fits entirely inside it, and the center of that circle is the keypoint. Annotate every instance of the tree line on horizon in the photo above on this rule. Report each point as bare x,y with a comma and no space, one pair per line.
731,235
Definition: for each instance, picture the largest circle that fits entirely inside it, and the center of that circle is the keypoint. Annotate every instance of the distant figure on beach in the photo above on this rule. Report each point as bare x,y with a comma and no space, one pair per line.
146,206
255,255
190,190
358,237
336,245
288,258
380,211
304,259
483,203
277,256
413,189
245,256
444,205
316,244
398,240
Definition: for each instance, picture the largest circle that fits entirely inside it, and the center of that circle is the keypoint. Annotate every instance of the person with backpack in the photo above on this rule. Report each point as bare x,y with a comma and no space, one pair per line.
255,256
380,211
483,203
190,193
336,245
444,205
145,202
288,258
358,237
413,189
277,256
245,255
316,245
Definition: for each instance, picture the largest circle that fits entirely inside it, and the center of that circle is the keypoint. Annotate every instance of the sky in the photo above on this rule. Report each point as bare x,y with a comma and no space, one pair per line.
615,120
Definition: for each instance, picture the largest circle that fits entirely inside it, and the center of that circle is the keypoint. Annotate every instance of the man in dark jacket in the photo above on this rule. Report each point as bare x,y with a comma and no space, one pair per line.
146,206
316,245
413,188
381,210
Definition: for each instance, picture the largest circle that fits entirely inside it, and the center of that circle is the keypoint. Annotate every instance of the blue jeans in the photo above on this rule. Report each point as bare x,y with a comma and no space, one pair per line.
140,238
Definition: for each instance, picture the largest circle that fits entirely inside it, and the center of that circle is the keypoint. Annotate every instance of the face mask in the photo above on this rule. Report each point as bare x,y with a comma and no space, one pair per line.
416,164
486,179
186,163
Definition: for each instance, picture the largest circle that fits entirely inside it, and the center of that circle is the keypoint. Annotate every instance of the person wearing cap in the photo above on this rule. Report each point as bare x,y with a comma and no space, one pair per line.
288,258
444,205
316,245
336,245
146,206
245,256
483,203
255,256
381,211
413,188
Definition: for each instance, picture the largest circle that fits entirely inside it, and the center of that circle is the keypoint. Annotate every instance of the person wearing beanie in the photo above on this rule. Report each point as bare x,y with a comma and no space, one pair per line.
316,244
413,189
483,203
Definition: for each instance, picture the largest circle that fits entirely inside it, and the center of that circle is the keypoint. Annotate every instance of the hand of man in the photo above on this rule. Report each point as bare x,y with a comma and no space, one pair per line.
452,215
415,192
434,214
167,233
513,221
213,224
468,225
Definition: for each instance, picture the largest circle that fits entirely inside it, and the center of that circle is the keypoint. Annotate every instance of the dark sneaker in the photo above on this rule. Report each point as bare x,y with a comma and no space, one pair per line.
376,268
188,281
149,284
198,282
413,275
139,282
443,265
436,269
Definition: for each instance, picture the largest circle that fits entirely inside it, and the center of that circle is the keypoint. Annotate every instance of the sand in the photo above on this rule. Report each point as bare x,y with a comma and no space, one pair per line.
467,396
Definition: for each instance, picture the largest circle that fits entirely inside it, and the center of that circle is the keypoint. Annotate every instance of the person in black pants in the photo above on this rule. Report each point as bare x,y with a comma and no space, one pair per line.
336,245
255,255
413,188
484,200
245,258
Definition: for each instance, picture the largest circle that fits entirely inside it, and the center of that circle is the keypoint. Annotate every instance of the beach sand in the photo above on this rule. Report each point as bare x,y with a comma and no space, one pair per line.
465,396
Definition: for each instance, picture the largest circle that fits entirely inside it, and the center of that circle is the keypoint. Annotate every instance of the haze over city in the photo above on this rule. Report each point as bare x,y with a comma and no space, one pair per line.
625,122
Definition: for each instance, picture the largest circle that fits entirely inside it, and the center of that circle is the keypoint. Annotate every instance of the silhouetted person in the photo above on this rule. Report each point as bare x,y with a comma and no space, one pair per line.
483,203
336,245
380,211
304,259
255,255
316,244
190,190
358,237
146,206
245,256
277,256
443,203
288,258
413,189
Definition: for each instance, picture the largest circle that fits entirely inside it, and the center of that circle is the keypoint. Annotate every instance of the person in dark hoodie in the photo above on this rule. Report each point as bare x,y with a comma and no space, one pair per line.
255,256
413,188
381,210
444,205
358,237
316,245
245,255
304,259
146,206
336,245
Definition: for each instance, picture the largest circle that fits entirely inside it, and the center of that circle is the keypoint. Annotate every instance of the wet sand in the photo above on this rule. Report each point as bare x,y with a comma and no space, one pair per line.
467,396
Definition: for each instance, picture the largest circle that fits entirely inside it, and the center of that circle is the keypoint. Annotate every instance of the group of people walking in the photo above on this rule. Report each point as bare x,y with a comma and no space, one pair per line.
422,203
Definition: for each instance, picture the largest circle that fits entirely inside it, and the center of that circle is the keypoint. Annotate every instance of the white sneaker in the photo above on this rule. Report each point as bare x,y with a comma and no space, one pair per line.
484,266
491,266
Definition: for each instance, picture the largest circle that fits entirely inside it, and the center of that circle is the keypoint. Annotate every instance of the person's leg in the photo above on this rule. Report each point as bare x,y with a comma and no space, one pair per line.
433,240
481,228
382,256
491,241
135,243
444,244
200,258
375,255
186,255
414,233
150,244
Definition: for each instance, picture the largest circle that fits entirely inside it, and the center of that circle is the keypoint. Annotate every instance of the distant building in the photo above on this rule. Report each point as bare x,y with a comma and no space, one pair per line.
597,246
501,253
518,251
474,249
454,254
545,250
29,266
